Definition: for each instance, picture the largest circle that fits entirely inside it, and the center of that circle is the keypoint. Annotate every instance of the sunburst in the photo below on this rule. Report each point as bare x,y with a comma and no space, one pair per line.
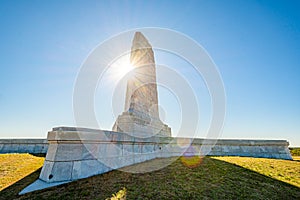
120,68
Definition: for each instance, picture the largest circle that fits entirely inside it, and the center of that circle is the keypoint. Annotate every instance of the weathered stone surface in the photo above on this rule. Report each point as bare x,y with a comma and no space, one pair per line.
127,149
147,148
51,154
112,163
87,168
90,151
108,150
69,152
56,171
46,170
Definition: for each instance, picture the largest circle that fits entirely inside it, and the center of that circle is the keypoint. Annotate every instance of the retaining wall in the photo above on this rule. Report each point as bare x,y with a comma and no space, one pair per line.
34,146
79,153
75,153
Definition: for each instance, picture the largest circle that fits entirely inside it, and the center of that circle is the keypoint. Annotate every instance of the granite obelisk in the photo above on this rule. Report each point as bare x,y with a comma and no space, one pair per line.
141,114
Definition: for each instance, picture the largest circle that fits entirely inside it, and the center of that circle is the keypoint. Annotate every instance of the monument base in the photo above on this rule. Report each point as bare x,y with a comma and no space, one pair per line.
76,153
141,125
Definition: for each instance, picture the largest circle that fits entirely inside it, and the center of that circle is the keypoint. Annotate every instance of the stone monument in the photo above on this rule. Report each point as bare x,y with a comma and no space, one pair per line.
138,135
141,115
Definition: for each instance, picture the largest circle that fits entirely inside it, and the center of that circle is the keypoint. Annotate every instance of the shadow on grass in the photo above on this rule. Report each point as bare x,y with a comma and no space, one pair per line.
38,154
11,192
212,179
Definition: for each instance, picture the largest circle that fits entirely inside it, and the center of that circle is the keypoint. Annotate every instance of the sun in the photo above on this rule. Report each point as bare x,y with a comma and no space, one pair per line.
120,67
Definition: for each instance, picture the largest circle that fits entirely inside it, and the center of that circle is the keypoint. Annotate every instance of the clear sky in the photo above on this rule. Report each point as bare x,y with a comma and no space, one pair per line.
255,45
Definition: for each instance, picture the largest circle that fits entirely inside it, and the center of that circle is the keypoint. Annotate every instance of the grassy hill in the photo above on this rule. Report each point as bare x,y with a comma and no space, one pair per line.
186,178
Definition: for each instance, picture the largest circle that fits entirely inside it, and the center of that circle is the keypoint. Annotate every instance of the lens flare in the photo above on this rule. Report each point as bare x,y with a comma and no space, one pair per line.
120,68
190,159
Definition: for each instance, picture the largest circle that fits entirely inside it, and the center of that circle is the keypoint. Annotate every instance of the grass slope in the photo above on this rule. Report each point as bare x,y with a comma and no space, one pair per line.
213,178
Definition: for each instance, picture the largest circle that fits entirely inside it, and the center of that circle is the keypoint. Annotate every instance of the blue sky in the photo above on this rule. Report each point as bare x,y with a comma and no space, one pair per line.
255,44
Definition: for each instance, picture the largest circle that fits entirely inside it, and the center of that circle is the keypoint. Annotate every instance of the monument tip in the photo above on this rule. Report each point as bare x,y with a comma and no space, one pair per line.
140,41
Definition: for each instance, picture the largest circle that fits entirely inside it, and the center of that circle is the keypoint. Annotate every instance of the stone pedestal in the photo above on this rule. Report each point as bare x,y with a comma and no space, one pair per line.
140,126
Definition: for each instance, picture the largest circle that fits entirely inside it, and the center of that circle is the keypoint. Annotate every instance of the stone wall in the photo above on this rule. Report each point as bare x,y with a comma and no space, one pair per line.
75,153
80,153
34,146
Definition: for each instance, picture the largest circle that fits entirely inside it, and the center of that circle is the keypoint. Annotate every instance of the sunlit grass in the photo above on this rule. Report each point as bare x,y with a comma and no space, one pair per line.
297,158
121,195
14,167
283,170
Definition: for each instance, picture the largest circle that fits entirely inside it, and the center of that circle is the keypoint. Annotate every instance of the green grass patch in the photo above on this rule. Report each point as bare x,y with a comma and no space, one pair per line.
14,167
185,178
295,151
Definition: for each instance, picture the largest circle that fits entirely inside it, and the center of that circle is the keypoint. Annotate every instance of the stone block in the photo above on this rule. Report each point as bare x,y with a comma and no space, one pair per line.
62,171
148,148
90,151
14,148
80,134
112,163
126,160
236,149
137,148
39,148
127,138
283,151
138,158
152,156
217,148
205,150
87,168
30,148
7,148
127,149
261,149
56,171
285,156
69,152
22,148
244,149
269,149
51,153
46,170
157,147
110,150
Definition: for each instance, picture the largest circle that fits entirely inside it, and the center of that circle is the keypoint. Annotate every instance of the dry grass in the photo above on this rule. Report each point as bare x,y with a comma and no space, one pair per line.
14,167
